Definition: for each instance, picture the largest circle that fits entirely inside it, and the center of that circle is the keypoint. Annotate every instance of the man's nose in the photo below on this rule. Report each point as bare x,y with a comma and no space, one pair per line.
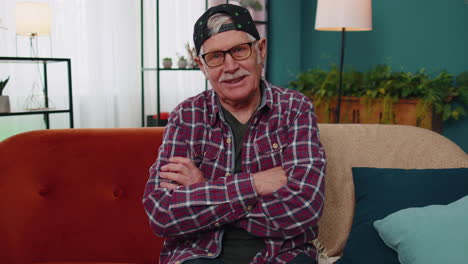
230,64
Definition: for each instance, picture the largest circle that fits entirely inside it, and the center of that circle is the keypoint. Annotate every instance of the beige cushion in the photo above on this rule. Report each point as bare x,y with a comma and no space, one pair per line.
372,145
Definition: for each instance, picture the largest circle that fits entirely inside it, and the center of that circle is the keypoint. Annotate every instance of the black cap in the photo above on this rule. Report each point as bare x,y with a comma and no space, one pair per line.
240,15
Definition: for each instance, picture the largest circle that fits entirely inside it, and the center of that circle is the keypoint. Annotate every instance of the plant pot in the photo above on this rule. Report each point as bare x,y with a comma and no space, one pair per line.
182,64
403,112
194,65
167,64
4,104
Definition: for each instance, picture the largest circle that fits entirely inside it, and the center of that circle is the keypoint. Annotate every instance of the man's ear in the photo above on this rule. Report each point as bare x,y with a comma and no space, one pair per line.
262,46
200,65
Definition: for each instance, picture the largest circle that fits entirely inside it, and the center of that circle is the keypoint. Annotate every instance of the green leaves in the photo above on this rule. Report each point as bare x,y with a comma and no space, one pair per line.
437,93
3,84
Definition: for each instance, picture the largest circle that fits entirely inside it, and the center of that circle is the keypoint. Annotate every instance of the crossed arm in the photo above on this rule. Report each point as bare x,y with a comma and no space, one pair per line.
182,172
284,201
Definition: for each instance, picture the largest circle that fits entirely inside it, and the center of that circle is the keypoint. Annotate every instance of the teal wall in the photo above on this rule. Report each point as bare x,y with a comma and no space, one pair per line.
407,35
284,41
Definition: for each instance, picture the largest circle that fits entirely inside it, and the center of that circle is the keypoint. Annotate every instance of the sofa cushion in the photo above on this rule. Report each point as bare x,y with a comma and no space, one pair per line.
380,192
428,235
75,195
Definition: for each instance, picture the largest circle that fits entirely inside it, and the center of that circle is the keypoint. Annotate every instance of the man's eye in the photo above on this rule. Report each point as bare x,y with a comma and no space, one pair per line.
216,56
238,49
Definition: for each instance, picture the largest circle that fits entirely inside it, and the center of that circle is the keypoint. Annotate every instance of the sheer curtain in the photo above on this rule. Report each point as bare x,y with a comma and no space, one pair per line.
176,20
102,38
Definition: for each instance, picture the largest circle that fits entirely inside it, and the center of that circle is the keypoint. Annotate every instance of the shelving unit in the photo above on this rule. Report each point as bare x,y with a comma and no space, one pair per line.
46,113
158,69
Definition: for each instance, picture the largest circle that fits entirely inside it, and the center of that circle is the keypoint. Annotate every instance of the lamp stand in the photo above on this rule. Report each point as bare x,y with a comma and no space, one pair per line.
340,86
38,96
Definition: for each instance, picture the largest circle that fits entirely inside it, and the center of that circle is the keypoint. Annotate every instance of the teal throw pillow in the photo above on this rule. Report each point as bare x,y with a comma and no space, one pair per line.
428,235
380,192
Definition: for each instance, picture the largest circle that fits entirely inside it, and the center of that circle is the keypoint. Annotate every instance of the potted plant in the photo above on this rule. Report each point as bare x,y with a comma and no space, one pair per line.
4,99
182,63
254,4
192,55
167,63
383,96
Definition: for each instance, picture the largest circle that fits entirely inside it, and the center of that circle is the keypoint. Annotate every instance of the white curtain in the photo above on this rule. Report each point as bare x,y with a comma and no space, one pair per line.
176,20
102,38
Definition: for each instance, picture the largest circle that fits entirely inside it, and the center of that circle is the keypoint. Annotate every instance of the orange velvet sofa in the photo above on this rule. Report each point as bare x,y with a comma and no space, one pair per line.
74,196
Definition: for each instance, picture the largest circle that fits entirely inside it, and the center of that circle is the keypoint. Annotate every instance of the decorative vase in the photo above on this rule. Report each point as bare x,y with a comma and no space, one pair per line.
167,64
4,104
182,64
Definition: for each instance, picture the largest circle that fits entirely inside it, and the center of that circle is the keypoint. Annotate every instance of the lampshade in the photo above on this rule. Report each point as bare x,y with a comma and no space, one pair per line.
352,15
32,18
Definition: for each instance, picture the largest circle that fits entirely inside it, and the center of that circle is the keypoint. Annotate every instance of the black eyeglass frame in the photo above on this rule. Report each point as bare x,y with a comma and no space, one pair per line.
230,53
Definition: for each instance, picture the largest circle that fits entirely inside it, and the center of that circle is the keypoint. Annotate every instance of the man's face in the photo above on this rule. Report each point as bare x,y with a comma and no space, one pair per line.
234,81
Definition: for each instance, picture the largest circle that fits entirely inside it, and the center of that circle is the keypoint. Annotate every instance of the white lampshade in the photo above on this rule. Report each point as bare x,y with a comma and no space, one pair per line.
352,15
32,18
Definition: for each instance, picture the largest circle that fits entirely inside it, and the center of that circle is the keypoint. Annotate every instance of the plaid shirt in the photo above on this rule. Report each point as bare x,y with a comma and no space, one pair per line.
283,132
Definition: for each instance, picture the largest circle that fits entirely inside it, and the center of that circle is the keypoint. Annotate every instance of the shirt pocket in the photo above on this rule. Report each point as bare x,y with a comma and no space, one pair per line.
269,149
209,159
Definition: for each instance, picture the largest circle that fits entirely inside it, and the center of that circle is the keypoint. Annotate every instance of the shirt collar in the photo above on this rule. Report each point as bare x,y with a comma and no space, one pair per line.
267,100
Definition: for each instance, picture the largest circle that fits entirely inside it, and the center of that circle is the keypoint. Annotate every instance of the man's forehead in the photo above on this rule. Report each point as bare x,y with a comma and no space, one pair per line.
225,40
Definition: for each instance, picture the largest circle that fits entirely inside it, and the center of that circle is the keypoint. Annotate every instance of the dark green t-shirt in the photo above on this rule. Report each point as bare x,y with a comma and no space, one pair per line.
239,246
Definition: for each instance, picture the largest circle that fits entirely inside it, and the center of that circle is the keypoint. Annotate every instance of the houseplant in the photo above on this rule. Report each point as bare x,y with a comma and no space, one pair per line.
383,96
167,63
4,99
254,4
182,63
192,55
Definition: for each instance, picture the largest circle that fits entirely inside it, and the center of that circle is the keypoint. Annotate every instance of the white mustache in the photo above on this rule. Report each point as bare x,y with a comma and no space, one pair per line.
228,76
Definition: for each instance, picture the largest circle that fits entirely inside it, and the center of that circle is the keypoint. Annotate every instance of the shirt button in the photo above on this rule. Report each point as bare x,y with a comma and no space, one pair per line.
227,174
217,225
249,208
275,145
210,254
228,140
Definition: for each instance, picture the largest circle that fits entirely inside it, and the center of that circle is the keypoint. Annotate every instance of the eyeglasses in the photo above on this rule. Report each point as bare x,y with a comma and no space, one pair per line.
239,52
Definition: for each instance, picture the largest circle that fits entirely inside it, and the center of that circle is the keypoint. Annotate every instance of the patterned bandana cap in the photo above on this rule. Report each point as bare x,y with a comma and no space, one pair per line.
241,17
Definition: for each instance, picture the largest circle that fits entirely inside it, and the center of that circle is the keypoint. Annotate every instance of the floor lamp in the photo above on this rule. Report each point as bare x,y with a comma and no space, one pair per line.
33,19
343,15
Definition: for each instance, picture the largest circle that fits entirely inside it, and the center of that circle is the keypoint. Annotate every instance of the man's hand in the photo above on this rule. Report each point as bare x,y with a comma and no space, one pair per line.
268,181
182,171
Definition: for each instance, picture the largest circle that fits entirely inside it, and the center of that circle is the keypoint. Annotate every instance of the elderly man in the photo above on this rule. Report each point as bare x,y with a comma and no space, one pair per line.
240,174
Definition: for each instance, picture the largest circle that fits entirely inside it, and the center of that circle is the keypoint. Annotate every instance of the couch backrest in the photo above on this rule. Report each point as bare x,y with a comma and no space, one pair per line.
75,195
381,146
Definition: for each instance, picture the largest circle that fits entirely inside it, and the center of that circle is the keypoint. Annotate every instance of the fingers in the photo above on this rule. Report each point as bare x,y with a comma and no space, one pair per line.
185,161
176,177
170,186
175,167
277,169
182,171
